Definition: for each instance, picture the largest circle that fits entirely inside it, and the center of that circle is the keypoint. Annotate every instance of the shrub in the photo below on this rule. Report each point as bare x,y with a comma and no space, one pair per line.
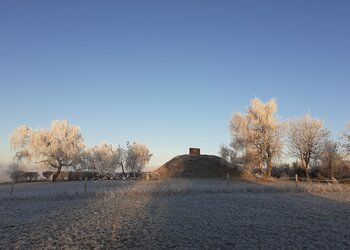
343,170
22,176
296,169
48,174
280,171
257,172
81,175
321,172
15,170
30,176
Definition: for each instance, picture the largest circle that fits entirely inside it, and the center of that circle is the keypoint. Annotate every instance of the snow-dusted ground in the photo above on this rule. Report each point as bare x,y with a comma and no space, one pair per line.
195,214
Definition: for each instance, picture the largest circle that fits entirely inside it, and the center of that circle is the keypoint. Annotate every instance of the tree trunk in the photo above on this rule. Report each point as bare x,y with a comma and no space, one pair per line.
54,177
331,170
306,172
122,167
262,169
305,164
269,168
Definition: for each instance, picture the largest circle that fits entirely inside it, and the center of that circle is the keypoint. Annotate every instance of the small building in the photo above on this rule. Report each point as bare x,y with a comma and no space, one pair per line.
195,151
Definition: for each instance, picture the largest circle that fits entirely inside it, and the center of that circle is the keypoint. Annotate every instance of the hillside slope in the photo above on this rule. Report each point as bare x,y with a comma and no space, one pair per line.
200,166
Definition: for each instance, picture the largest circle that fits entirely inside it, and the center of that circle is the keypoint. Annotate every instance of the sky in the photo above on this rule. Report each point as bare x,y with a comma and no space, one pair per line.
169,74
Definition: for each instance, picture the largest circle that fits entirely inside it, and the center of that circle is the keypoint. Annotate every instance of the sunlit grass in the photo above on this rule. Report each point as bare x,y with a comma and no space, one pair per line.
117,189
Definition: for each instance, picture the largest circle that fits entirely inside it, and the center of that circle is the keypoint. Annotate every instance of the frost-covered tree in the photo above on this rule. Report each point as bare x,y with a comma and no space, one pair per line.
259,132
122,157
104,158
137,157
59,146
346,139
306,138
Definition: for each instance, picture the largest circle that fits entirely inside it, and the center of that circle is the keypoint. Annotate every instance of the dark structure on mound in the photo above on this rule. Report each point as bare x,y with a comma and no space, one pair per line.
196,166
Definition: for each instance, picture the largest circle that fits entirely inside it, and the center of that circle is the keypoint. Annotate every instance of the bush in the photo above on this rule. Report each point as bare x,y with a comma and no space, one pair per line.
296,169
16,176
257,172
81,175
280,171
343,170
22,176
48,174
30,176
15,171
318,172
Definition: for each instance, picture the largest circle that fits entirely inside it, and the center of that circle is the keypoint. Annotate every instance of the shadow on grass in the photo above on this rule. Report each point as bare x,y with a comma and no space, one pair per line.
207,214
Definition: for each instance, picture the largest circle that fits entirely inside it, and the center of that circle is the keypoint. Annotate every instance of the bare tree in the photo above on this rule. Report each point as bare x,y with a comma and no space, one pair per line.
57,147
306,137
259,132
228,153
235,154
330,157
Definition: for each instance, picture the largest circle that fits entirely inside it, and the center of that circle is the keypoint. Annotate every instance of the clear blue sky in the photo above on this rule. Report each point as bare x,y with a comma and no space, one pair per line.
169,74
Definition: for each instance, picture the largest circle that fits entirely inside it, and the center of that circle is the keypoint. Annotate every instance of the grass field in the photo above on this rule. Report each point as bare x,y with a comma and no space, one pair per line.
190,214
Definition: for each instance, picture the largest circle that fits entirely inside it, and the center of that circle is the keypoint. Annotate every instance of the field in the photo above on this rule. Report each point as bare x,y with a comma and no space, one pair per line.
181,214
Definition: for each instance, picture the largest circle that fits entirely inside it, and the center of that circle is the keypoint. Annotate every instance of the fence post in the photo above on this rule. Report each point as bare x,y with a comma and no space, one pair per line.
85,185
228,179
12,184
296,180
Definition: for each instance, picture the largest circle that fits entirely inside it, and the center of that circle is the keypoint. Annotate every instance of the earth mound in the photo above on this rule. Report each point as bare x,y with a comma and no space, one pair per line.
196,166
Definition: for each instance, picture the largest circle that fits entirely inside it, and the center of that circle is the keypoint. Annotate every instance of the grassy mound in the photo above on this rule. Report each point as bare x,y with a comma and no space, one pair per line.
199,166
